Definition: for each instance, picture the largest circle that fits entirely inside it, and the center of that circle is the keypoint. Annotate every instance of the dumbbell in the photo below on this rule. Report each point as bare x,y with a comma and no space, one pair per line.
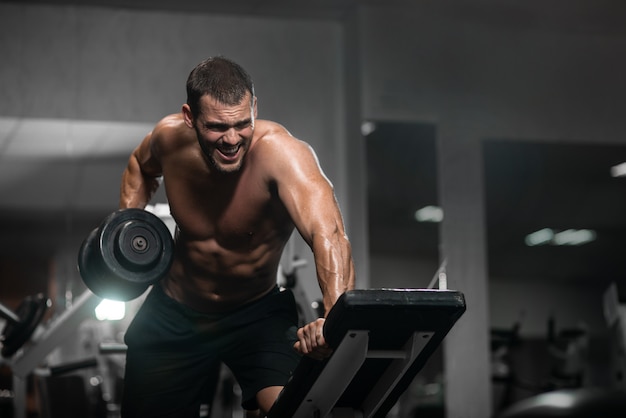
21,324
128,252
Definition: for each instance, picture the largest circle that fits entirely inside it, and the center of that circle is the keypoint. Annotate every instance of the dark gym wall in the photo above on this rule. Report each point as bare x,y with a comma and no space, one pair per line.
480,70
477,70
70,64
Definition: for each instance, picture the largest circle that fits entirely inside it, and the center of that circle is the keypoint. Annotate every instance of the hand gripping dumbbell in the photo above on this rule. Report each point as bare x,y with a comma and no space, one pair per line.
128,252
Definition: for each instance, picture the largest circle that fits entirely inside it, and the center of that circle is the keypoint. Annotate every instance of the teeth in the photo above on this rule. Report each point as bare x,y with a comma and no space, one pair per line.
229,150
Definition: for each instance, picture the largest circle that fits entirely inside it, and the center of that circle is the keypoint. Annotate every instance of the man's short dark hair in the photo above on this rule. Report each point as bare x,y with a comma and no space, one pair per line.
222,79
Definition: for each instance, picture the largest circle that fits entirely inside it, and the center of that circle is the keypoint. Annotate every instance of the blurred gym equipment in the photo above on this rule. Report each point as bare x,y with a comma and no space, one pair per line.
32,354
571,403
381,339
562,401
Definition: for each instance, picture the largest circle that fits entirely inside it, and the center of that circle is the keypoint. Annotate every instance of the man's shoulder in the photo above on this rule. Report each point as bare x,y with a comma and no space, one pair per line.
171,122
267,129
172,130
276,149
272,136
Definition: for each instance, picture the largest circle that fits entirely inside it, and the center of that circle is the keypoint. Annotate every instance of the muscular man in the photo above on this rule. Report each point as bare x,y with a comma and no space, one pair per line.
237,187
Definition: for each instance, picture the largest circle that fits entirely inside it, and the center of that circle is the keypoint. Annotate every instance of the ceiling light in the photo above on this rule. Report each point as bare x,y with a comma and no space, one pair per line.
618,170
541,237
574,237
429,214
367,128
547,236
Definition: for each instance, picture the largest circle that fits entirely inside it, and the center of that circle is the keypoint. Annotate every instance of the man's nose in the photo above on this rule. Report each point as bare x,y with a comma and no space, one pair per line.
231,136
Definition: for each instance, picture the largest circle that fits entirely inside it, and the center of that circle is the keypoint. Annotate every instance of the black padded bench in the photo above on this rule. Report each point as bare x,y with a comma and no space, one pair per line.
381,339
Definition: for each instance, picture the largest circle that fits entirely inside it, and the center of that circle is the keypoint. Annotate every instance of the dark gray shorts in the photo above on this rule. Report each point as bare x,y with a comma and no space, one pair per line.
174,353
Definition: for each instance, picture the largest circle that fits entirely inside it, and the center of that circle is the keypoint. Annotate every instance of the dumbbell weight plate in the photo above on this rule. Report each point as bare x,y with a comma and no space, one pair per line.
30,311
130,250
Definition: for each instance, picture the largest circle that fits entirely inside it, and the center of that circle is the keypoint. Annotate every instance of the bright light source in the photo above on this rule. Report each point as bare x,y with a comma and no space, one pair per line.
429,214
112,310
541,237
574,237
367,128
556,400
564,237
568,237
618,170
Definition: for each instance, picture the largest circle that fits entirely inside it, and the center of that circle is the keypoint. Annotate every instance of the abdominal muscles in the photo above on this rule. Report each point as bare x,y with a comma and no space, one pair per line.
210,277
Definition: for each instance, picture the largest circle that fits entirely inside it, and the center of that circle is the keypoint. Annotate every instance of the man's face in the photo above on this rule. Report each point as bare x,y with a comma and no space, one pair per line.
225,132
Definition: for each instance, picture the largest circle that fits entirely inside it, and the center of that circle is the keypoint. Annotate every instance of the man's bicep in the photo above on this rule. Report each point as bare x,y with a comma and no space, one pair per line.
147,156
141,176
309,197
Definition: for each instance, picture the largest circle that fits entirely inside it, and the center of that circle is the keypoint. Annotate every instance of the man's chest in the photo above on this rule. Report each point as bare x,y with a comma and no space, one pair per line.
239,211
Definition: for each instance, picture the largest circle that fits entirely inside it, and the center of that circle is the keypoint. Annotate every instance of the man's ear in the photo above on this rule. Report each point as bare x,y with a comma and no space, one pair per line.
187,115
254,111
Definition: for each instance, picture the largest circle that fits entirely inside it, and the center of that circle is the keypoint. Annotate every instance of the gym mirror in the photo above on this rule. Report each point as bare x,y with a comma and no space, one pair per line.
402,180
403,228
556,222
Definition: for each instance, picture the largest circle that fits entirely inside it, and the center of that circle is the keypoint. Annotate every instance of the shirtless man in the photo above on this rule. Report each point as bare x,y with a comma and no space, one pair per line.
237,187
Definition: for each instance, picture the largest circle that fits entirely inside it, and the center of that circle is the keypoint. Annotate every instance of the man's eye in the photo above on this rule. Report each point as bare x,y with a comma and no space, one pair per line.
217,128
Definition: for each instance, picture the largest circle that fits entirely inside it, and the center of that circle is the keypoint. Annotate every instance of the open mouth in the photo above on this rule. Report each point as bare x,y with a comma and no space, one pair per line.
229,152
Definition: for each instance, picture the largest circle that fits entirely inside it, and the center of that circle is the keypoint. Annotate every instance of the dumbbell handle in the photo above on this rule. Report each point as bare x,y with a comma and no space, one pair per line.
9,315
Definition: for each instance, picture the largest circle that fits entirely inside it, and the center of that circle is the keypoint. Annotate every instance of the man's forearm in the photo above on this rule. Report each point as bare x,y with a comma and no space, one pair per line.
136,189
335,270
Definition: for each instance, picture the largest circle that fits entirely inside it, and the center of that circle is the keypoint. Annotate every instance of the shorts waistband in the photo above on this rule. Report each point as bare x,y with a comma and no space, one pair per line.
158,292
